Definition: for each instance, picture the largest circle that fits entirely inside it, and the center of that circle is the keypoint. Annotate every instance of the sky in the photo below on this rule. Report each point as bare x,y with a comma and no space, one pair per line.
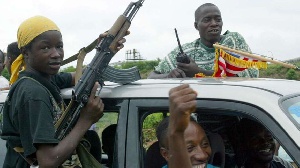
270,28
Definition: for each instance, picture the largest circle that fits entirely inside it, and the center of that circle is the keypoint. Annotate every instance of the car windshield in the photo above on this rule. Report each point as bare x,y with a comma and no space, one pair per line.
294,110
292,106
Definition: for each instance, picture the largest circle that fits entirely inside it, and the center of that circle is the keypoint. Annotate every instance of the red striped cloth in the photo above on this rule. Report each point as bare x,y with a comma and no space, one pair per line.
229,64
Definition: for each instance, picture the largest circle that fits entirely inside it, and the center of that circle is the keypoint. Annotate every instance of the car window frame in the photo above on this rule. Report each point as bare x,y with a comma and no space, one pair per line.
120,105
281,103
243,109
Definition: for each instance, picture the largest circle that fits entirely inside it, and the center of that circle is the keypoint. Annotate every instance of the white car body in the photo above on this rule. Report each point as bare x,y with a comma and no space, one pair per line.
264,100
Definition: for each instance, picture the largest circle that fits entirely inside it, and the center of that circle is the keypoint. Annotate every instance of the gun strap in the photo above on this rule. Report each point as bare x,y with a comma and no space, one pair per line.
30,161
85,157
79,65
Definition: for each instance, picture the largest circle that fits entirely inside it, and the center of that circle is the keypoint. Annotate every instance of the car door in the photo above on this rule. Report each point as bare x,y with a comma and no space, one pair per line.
214,115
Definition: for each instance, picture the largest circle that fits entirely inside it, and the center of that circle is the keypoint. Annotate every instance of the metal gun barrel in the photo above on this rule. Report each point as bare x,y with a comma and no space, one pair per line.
132,9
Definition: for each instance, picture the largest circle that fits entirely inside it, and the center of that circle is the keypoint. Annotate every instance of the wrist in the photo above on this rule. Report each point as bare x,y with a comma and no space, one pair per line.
206,72
175,133
199,75
84,123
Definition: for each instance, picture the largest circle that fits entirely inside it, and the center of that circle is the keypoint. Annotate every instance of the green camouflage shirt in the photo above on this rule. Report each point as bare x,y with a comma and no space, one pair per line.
204,56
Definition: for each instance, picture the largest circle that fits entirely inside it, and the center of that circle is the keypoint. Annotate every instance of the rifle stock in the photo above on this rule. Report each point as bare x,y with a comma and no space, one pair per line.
105,50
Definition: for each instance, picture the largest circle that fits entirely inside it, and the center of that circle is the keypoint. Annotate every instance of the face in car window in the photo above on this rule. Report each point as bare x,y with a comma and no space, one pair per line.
262,145
197,144
258,142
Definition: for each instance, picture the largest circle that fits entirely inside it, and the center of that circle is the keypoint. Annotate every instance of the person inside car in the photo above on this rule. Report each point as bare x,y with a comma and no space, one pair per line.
35,104
198,158
258,146
108,142
209,23
183,142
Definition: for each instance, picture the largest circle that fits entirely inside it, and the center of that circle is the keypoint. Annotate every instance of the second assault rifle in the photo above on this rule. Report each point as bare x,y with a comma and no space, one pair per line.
181,56
105,50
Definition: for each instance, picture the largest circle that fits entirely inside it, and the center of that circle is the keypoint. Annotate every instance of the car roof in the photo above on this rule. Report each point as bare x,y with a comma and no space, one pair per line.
206,87
240,89
260,92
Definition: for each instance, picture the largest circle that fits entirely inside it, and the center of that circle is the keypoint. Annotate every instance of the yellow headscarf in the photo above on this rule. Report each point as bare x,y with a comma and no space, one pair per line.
27,31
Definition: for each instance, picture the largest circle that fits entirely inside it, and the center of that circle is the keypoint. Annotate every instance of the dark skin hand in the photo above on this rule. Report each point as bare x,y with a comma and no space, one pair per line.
176,73
192,68
53,155
182,103
120,42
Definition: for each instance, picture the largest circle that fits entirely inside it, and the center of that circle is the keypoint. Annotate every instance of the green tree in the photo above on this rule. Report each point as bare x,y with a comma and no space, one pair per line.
69,69
292,75
145,67
279,72
149,125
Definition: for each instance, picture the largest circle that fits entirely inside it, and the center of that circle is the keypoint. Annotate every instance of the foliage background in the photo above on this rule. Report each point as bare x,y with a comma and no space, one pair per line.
279,72
145,67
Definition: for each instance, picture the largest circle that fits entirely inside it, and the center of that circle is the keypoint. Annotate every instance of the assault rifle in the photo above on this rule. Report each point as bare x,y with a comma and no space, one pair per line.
105,50
181,56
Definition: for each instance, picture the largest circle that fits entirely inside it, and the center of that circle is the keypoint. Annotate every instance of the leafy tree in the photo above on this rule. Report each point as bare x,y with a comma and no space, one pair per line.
69,69
149,125
279,72
145,67
292,75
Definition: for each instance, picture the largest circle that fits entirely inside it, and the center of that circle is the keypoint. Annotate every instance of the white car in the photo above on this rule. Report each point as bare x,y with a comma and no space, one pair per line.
221,103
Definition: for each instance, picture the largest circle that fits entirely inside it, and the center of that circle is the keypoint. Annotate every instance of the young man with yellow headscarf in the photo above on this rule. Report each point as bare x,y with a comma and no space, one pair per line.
34,100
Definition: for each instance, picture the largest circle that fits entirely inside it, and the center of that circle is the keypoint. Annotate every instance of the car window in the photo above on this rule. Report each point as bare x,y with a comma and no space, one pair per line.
222,125
292,107
100,145
283,154
149,126
108,118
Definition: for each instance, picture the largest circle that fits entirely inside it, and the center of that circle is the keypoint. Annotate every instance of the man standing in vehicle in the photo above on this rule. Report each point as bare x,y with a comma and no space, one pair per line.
208,22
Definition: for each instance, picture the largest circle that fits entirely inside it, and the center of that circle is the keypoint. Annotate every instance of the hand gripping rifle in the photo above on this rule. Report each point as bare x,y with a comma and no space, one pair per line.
105,50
